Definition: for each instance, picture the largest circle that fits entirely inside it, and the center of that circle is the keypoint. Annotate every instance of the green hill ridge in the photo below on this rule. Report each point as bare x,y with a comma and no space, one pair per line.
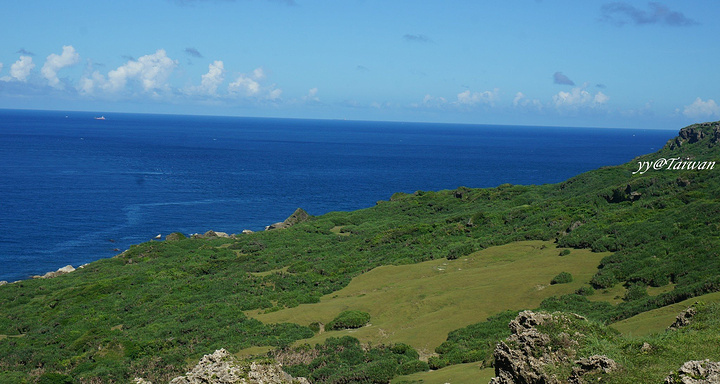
641,236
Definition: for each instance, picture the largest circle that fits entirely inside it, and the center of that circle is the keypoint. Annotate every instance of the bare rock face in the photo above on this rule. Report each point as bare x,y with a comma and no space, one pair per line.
222,368
696,372
696,133
523,357
297,217
683,319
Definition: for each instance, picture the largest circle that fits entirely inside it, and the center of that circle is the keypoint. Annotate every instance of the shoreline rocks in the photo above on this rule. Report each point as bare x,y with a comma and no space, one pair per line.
61,271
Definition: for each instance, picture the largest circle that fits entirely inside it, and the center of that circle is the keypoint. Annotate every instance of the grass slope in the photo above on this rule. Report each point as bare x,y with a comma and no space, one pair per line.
657,320
419,304
455,374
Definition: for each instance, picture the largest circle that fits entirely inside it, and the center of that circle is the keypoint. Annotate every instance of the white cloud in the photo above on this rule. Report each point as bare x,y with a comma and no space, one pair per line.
522,101
1,67
274,94
87,85
701,109
20,70
211,80
151,71
245,85
311,95
55,63
472,98
249,85
578,98
432,101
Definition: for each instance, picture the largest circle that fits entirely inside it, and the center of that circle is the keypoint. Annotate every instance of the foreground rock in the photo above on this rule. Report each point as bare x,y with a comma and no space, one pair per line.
529,353
297,217
696,372
61,271
221,367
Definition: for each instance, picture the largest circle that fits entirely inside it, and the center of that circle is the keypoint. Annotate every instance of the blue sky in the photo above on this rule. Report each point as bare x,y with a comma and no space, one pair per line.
566,63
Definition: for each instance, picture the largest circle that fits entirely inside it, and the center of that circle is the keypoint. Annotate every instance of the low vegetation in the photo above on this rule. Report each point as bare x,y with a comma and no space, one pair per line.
147,312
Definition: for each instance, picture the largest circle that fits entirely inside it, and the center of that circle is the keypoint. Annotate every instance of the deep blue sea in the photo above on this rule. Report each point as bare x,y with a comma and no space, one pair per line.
74,189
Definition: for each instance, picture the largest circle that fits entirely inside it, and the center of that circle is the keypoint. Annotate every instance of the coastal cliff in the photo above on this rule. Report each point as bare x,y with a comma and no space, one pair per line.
148,311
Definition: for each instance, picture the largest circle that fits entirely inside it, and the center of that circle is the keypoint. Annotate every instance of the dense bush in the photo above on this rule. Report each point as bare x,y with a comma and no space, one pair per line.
603,279
475,342
635,292
349,319
585,291
345,360
562,278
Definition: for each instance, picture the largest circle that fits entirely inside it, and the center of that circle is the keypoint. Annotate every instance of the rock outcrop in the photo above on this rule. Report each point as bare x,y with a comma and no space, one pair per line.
297,217
524,356
696,133
61,271
683,319
696,372
221,367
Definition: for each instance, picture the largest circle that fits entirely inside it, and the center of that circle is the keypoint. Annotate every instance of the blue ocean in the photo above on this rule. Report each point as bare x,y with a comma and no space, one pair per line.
76,189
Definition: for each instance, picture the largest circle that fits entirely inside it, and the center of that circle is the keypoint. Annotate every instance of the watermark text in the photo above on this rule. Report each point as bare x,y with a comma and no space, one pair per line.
673,163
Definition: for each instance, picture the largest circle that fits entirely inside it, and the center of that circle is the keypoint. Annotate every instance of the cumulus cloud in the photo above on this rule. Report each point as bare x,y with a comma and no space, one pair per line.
579,98
20,70
249,85
55,63
474,98
559,78
417,38
151,72
245,85
621,13
211,80
701,109
522,101
193,52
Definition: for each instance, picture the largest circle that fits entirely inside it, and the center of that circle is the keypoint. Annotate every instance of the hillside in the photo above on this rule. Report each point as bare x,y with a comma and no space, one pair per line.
155,309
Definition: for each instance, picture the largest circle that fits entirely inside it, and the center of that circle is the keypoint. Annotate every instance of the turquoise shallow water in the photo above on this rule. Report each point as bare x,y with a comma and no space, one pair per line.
75,189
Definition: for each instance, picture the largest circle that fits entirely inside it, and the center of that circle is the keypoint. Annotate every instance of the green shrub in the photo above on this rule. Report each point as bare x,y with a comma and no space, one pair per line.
13,378
55,378
585,291
436,362
634,292
456,250
565,252
562,278
412,366
315,327
603,279
349,319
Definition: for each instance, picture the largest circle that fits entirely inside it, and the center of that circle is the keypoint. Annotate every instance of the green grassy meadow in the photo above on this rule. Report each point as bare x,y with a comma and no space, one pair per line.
454,374
419,304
